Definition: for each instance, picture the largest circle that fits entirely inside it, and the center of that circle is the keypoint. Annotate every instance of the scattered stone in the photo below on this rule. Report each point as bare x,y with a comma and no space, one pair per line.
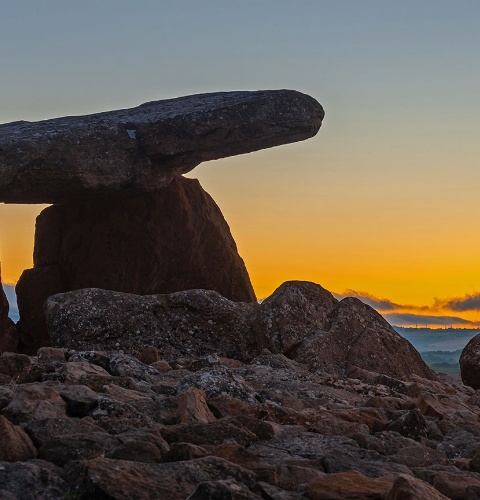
192,406
408,487
27,480
108,478
347,485
34,401
16,446
109,426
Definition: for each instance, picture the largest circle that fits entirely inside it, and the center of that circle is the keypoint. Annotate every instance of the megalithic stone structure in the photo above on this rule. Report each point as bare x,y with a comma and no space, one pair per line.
124,218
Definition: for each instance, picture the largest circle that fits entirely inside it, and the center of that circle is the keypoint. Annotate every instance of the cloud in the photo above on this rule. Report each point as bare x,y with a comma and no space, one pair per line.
381,305
465,303
419,319
407,314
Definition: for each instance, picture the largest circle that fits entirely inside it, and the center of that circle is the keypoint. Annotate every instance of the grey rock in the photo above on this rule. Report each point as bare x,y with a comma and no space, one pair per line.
30,481
127,152
193,322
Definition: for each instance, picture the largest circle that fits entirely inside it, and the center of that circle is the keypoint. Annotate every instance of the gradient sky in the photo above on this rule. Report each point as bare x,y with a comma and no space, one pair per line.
384,201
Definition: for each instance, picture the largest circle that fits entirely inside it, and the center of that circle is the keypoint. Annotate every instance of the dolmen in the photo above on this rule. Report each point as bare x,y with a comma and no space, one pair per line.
123,217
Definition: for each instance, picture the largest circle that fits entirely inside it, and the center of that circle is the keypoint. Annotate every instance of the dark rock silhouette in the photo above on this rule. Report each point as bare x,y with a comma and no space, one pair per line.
331,336
171,240
470,363
132,151
8,337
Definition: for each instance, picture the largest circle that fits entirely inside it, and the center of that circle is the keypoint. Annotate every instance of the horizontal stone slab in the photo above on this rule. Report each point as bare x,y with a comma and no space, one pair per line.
132,151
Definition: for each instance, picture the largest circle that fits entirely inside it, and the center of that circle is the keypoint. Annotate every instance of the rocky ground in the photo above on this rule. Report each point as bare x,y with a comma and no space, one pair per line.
92,424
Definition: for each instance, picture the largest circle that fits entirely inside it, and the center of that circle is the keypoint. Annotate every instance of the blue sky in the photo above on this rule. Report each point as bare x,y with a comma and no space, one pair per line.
383,200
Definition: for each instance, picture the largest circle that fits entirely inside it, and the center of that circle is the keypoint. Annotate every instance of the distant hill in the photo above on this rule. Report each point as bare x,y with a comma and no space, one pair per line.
439,348
438,339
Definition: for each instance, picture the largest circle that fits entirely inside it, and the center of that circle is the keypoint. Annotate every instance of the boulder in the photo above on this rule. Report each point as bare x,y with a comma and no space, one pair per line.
470,363
301,320
132,151
8,337
358,336
171,240
189,323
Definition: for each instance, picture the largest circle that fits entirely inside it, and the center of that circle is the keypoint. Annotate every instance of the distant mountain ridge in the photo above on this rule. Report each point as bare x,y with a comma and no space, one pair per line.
437,339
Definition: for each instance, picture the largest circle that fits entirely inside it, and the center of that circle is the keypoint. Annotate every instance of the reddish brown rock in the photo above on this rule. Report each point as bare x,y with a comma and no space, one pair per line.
192,406
119,479
407,487
347,485
15,444
8,337
164,242
359,337
470,363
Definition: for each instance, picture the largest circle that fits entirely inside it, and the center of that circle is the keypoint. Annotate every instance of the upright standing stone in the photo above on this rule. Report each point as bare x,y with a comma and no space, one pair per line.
172,240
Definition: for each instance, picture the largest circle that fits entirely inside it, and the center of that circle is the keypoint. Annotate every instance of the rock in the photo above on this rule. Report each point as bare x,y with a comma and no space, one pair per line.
16,445
347,485
8,337
269,429
192,406
208,433
294,312
220,490
43,430
407,487
310,326
194,322
359,337
122,480
470,363
34,401
15,367
127,152
61,450
172,240
27,480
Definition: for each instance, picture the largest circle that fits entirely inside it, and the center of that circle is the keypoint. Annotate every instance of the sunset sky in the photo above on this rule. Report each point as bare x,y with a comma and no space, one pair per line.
383,203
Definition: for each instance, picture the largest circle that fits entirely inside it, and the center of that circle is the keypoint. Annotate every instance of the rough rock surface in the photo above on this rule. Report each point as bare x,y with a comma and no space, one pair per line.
101,424
301,320
131,151
470,363
8,337
172,240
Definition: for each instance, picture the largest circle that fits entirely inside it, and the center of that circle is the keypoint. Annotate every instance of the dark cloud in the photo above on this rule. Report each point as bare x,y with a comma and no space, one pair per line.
406,319
465,303
381,305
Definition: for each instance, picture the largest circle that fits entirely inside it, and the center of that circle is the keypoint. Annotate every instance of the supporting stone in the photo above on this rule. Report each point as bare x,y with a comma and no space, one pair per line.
171,240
